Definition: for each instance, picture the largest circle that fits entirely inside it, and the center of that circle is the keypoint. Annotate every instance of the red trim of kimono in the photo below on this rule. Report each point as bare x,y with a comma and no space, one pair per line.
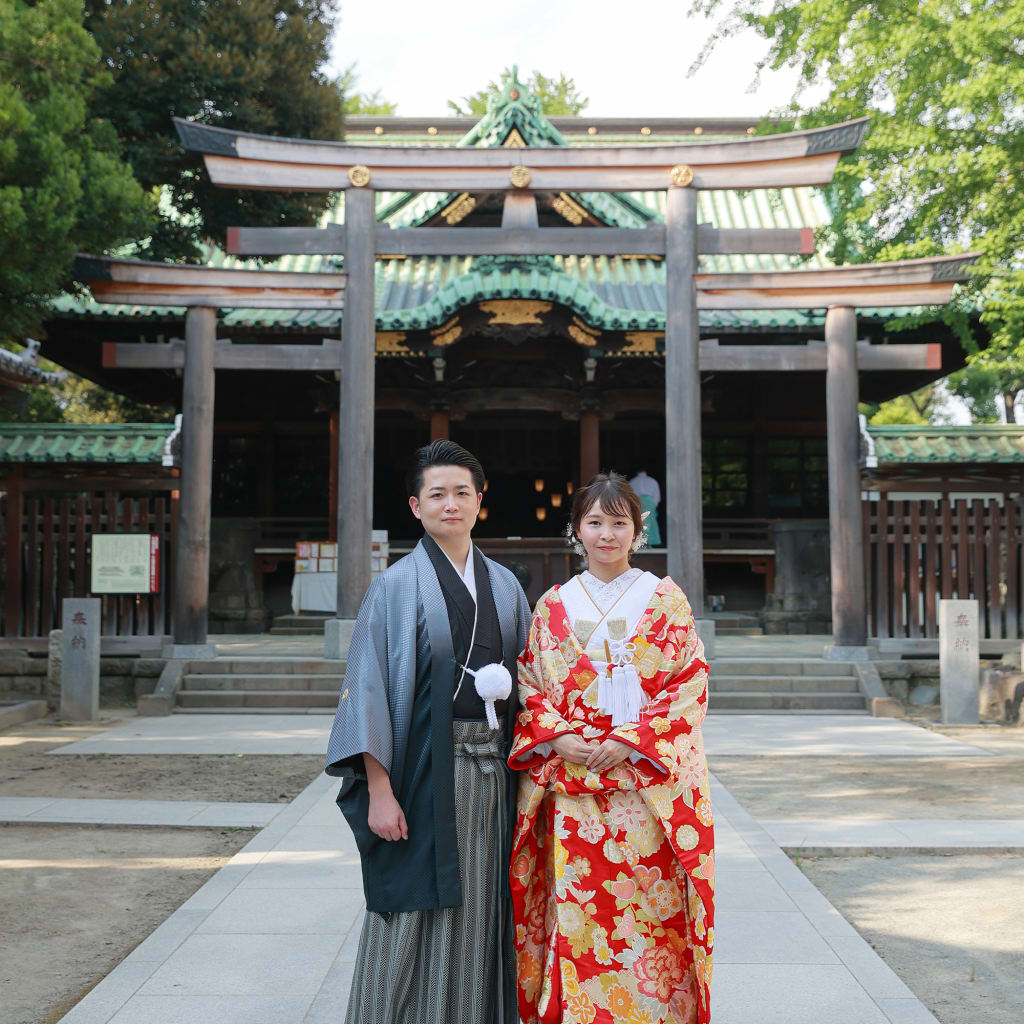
558,688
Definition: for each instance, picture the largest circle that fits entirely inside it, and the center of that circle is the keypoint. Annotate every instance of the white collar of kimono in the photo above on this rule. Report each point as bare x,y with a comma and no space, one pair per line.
469,576
632,590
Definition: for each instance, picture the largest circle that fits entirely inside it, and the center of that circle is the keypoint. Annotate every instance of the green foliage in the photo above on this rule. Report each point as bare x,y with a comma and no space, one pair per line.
943,81
63,185
251,66
558,97
362,104
918,408
978,388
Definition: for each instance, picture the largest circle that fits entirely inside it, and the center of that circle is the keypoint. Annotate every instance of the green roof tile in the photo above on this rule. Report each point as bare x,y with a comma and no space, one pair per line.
983,442
126,443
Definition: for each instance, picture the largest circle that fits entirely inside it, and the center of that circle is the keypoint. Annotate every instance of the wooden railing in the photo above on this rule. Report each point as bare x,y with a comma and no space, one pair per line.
52,561
920,551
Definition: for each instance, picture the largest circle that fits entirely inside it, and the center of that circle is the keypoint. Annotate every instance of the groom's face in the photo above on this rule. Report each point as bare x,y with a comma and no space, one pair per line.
448,502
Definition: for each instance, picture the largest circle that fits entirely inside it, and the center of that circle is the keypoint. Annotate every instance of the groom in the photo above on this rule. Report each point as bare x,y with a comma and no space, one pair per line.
426,790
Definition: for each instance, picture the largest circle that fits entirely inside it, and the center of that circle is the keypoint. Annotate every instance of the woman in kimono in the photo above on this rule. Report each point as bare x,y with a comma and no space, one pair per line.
613,856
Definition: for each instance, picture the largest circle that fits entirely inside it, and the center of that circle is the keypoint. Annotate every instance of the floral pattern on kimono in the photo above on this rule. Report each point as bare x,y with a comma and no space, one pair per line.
613,874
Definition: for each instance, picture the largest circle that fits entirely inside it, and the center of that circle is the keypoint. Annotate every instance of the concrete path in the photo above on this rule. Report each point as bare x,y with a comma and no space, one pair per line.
724,736
86,811
272,937
857,834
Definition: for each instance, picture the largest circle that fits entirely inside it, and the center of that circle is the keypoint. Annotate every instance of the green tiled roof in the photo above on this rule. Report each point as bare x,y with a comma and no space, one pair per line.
610,293
979,443
74,442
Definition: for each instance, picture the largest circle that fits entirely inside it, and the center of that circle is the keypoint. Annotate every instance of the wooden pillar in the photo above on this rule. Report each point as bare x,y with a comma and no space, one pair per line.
440,425
849,611
332,481
684,511
192,538
519,210
355,453
590,445
12,576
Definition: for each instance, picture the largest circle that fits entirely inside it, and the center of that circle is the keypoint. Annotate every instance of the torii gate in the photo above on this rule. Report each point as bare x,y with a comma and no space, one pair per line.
237,159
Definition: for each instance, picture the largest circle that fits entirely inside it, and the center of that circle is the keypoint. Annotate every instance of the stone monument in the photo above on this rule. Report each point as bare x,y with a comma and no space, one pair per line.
959,675
80,659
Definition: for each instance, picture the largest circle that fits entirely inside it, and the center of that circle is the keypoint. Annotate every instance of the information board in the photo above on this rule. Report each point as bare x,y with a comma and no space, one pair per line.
125,563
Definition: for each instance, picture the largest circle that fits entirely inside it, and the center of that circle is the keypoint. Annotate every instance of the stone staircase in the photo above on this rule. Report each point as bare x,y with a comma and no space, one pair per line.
766,686
280,686
307,624
736,624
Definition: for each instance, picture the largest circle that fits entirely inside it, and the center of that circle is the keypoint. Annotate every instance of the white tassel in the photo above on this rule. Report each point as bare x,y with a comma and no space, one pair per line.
627,695
493,682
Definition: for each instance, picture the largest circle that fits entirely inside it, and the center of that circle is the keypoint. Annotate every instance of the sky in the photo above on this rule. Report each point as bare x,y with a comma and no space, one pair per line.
629,57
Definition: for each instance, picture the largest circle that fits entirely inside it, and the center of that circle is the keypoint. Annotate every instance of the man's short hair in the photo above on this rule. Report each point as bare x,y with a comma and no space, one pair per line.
442,453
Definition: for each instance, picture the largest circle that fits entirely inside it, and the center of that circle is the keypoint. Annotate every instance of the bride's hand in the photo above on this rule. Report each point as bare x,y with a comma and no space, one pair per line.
571,747
608,755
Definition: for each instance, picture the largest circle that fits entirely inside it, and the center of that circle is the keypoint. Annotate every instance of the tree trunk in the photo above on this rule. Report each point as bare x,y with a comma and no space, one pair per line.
1009,399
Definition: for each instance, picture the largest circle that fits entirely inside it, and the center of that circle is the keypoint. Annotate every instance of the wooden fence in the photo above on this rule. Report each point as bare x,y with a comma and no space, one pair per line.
919,551
44,557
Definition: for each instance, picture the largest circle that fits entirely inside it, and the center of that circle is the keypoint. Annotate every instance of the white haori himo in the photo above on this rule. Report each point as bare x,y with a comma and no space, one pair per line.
605,617
493,682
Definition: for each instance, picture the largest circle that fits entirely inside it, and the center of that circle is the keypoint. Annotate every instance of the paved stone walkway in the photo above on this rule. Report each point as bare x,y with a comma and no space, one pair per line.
724,736
89,811
272,937
891,833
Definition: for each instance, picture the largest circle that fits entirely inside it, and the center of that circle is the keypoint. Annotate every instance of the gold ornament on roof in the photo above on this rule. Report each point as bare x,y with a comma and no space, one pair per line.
359,175
519,176
682,175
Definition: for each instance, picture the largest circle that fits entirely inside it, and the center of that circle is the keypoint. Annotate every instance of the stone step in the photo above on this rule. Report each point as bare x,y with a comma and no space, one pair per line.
765,701
207,699
296,631
783,684
261,682
259,711
299,666
781,667
786,711
738,631
305,619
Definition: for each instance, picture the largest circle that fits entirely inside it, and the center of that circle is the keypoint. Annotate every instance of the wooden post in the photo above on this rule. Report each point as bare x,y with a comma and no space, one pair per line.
519,210
12,581
332,479
355,454
684,511
440,424
192,540
849,614
590,445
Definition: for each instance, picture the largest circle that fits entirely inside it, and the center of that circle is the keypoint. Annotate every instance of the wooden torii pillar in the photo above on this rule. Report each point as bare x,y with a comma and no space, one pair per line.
201,290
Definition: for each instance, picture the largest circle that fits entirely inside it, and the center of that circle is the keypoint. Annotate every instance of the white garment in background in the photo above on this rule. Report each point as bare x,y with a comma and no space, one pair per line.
644,484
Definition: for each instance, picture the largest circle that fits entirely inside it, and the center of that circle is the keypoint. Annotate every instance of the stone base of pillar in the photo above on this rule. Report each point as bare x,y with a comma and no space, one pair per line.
189,652
837,652
337,638
706,631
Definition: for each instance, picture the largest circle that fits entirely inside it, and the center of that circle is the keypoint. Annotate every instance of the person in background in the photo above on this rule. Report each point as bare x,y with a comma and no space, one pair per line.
649,493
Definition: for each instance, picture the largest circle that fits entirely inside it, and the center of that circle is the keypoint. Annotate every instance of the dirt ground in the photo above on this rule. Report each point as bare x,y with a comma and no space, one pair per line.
951,927
26,770
887,787
75,901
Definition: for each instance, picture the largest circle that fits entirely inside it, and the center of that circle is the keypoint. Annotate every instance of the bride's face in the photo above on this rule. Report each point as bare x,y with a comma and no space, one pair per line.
606,536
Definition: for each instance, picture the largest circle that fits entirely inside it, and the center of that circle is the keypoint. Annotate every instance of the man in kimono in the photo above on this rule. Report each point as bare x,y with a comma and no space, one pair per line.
426,789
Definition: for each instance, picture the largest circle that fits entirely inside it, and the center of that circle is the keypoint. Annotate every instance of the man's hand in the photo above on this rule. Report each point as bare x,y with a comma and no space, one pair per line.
571,747
386,818
608,755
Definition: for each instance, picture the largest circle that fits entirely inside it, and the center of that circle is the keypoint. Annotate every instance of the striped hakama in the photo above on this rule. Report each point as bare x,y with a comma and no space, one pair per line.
454,965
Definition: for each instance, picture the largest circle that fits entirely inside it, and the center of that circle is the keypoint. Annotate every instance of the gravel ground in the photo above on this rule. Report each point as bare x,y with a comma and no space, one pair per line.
952,927
26,770
75,901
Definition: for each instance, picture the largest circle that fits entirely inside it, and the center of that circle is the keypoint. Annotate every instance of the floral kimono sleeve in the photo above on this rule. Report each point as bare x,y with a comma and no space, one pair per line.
670,658
541,717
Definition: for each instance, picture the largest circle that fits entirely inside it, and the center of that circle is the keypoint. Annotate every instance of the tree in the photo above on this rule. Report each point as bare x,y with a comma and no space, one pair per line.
63,184
919,407
362,104
254,66
943,81
559,96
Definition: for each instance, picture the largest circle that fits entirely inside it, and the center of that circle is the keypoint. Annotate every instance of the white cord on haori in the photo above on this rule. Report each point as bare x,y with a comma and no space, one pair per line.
493,682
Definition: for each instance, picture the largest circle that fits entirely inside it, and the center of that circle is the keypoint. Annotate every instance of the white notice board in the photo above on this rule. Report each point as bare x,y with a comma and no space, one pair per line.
125,563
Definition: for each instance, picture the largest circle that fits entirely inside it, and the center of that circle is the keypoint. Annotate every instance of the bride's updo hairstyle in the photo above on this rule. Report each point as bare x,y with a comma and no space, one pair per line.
612,493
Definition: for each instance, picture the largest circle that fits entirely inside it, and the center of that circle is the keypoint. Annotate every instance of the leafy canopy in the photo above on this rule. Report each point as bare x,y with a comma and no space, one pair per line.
943,81
558,97
63,185
362,104
253,66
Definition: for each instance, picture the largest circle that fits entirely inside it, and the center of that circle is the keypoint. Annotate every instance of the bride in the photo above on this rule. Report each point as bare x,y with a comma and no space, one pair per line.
613,858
